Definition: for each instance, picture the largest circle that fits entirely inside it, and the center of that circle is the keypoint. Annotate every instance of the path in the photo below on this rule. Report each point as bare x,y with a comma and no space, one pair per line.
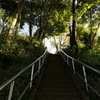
56,83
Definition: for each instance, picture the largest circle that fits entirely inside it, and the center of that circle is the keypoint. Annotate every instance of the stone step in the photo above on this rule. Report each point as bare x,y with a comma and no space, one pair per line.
57,90
57,78
63,85
56,83
58,96
54,77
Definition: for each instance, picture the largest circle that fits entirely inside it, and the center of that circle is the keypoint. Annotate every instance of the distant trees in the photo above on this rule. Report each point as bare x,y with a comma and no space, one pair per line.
79,10
53,17
73,42
50,18
16,16
89,25
13,10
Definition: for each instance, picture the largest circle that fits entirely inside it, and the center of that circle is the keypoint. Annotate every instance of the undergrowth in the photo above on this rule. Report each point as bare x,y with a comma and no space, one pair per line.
90,57
16,53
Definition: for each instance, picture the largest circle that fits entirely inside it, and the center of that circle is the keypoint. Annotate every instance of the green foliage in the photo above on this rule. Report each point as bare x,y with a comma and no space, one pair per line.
19,46
83,36
84,7
98,40
91,57
17,53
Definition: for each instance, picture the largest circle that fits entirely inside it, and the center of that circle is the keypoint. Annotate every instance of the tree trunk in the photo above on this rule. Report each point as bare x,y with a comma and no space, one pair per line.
30,29
90,39
40,29
39,36
73,42
17,12
3,30
18,25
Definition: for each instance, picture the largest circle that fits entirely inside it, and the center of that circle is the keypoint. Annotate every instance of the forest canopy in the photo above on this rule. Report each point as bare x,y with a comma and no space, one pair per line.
71,25
80,19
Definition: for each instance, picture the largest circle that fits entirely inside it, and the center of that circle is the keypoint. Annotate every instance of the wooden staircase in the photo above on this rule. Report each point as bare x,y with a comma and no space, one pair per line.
56,83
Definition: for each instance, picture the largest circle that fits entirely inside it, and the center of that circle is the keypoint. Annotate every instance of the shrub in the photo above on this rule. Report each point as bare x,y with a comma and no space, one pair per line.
16,53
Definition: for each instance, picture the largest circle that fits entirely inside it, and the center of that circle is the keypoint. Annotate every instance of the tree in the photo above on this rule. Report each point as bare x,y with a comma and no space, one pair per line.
94,24
91,19
78,10
18,25
5,21
51,18
73,42
16,15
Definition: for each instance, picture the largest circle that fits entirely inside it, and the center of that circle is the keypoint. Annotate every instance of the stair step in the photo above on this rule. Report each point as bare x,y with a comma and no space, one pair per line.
57,78
56,83
58,73
61,78
63,85
55,72
57,99
57,90
58,96
54,77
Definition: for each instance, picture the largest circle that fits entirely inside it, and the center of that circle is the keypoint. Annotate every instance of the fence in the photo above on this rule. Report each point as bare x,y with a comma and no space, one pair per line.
33,72
89,75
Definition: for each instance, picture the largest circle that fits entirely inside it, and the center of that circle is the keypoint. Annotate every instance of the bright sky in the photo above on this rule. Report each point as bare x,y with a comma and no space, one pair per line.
25,30
50,47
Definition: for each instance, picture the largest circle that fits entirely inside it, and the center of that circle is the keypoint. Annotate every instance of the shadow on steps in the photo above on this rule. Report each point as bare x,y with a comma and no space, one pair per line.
56,83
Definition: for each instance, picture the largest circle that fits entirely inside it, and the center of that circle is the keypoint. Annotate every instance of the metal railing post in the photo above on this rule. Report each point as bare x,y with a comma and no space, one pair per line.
85,78
73,65
45,55
32,72
67,60
11,82
84,66
64,58
63,55
42,60
11,90
39,65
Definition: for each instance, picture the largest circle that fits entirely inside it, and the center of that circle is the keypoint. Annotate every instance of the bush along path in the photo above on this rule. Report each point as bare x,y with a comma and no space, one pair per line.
16,53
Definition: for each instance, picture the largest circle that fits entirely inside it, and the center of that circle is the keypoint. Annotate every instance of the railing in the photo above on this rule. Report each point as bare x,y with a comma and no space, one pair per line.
85,72
33,72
